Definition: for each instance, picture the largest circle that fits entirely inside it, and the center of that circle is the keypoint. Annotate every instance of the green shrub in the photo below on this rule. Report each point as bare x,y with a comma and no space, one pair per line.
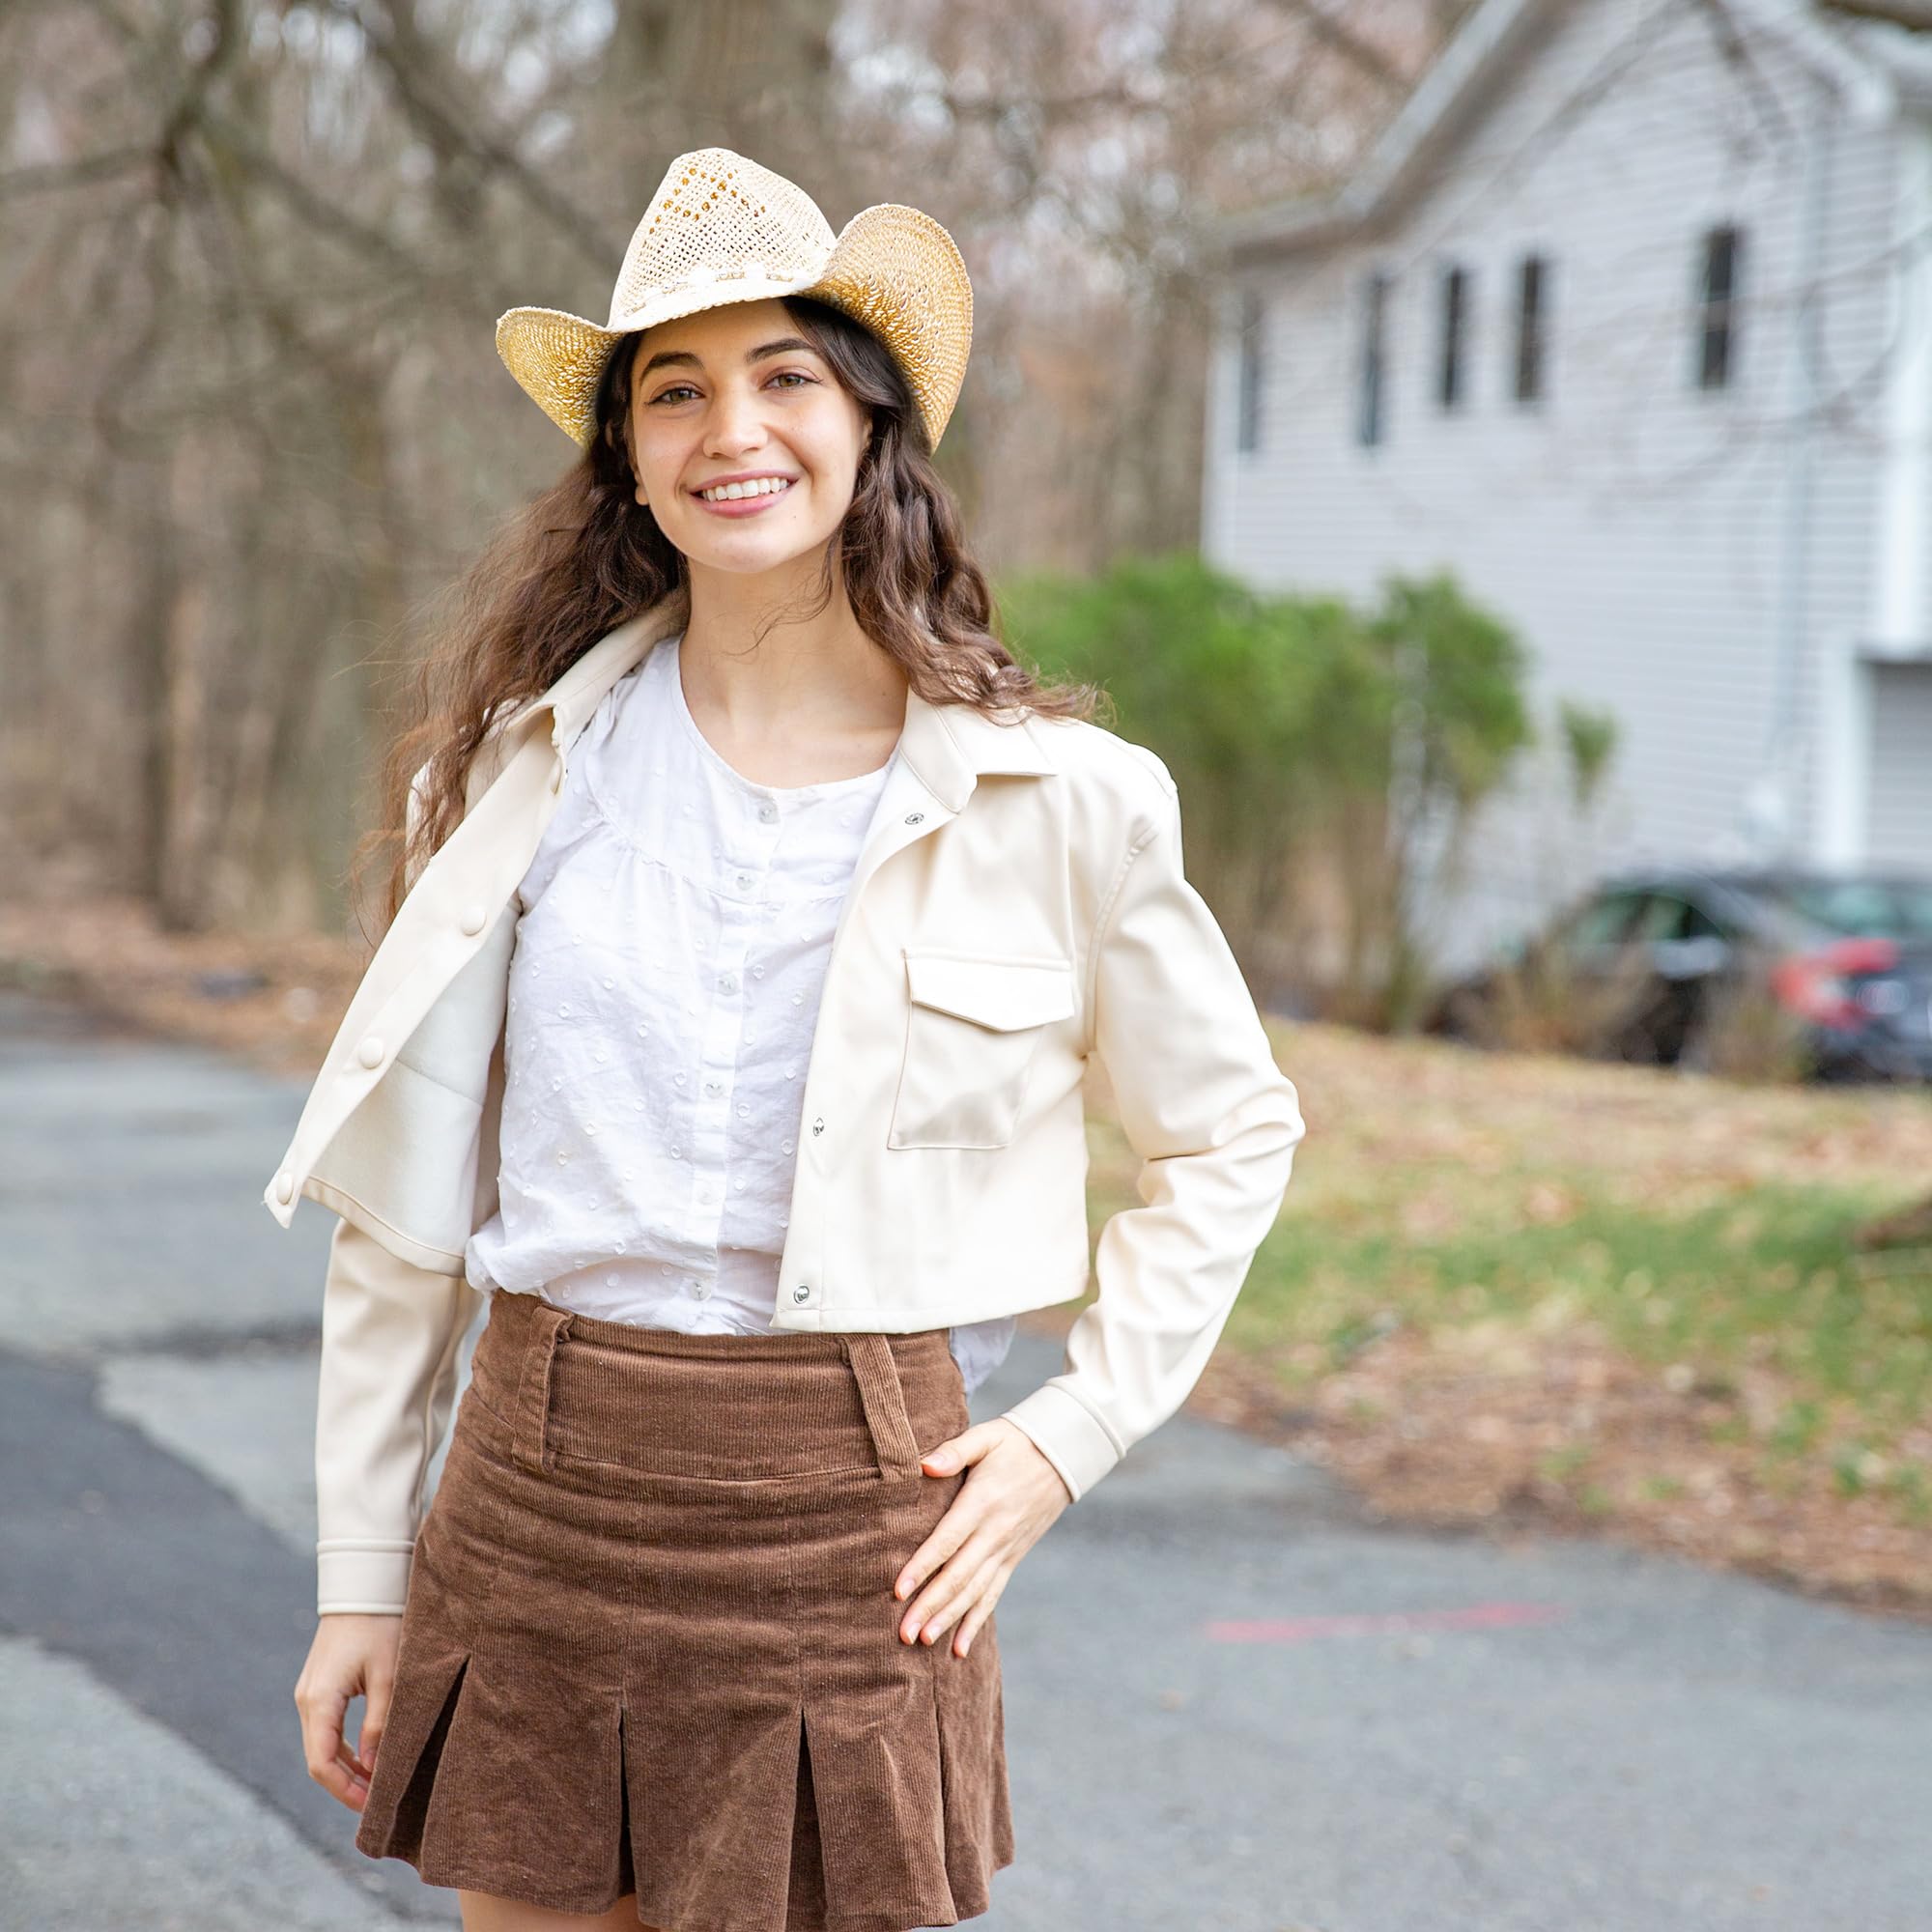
1319,749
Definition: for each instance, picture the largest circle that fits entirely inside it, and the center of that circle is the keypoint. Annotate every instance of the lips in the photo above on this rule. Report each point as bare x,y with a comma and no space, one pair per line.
743,507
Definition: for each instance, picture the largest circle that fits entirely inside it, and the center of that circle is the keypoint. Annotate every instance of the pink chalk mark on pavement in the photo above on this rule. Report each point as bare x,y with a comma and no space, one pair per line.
1301,1629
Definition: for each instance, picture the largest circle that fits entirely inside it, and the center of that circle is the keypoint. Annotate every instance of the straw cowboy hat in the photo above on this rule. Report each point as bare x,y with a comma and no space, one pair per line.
722,229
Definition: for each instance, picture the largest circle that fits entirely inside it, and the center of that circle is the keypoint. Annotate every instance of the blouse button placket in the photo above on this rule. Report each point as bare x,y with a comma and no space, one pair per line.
740,863
725,994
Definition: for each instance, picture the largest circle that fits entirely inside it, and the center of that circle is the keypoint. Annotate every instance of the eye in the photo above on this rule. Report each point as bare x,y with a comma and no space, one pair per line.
788,376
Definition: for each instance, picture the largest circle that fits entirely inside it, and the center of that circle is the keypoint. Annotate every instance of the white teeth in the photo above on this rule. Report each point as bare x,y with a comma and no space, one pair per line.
760,486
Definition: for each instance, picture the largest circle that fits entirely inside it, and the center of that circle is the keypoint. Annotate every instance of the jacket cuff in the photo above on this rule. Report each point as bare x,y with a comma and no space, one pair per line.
369,1579
1069,1434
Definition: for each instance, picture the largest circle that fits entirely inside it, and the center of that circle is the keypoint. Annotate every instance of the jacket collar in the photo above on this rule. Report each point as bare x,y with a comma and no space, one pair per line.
949,747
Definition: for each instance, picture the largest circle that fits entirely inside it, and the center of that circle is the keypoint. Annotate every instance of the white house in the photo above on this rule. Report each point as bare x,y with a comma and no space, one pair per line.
1626,318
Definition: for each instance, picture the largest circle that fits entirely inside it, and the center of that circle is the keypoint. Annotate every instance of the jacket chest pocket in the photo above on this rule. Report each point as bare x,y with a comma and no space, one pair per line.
973,1027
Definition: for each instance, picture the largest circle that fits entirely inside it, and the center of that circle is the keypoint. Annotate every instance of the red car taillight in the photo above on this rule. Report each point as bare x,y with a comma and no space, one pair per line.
1812,984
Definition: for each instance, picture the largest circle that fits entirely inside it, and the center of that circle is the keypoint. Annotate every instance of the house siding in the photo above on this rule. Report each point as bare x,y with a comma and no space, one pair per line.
1638,532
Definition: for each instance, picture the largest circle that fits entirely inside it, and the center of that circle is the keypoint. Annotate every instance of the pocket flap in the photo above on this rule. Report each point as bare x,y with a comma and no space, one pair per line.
1001,993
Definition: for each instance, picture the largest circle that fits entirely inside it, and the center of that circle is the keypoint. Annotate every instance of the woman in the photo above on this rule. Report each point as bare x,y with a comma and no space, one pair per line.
755,919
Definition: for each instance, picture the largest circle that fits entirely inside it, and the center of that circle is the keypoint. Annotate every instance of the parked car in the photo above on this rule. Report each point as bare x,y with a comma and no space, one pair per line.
1845,959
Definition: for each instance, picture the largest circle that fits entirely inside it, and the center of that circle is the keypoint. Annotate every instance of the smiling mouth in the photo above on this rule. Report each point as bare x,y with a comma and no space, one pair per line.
761,491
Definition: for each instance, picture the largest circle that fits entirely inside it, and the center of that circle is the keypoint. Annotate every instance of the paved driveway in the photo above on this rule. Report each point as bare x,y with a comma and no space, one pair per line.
1230,1702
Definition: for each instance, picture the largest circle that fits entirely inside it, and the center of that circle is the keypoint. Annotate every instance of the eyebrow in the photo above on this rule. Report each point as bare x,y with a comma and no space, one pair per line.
667,359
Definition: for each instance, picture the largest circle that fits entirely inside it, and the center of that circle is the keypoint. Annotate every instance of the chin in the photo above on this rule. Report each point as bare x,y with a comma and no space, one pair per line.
751,552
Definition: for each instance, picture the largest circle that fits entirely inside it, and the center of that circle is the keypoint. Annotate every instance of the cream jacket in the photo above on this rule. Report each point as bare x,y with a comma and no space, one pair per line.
1018,905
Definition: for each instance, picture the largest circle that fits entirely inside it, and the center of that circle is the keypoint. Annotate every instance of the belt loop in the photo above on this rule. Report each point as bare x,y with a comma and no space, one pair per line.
530,1436
884,1397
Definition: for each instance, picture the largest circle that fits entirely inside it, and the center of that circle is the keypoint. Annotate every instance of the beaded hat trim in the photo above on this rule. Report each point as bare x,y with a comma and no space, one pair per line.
722,229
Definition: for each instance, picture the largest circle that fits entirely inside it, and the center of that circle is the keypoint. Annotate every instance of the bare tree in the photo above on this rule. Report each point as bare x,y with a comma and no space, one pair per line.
255,251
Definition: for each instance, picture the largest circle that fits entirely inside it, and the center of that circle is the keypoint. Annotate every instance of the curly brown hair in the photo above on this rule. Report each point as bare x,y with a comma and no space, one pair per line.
584,557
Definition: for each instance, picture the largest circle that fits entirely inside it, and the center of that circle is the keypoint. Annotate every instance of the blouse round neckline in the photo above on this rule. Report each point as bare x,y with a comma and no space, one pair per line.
706,750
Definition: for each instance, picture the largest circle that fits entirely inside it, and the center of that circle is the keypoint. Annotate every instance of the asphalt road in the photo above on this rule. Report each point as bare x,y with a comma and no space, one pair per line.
1230,1703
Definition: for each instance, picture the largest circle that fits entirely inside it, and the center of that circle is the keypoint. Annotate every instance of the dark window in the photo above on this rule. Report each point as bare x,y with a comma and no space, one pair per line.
1717,308
1667,918
1249,417
1449,383
1604,922
1374,326
1532,312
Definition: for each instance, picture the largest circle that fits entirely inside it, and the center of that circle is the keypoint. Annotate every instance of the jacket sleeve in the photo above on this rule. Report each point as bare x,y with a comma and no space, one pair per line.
391,1336
1214,1122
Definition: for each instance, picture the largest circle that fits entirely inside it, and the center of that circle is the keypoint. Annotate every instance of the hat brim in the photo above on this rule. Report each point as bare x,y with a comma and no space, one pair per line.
893,268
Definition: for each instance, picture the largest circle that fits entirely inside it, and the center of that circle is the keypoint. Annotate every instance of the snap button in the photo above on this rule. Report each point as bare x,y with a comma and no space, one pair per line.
370,1052
285,1187
801,1294
473,917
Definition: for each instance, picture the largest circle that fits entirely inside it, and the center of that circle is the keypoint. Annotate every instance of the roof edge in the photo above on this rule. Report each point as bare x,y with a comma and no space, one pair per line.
1872,71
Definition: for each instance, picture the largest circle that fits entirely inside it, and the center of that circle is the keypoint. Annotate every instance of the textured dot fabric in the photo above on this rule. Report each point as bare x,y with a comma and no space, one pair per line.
672,935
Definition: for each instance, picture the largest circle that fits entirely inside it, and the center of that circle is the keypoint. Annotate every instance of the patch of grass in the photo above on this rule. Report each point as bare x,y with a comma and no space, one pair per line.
1485,1257
1913,1489
1795,1430
1769,1278
1558,1466
1728,1284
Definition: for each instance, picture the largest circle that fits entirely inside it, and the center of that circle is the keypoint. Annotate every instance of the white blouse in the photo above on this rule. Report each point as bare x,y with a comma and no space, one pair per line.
671,940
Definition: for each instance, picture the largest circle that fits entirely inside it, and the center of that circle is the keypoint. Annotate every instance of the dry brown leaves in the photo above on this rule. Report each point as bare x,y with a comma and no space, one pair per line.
1502,1426
275,998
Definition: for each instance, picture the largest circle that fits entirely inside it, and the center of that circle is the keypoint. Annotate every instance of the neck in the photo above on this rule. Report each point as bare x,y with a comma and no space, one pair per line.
817,685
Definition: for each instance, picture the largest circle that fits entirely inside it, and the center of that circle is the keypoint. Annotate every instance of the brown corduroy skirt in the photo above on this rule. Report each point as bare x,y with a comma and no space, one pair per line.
651,1645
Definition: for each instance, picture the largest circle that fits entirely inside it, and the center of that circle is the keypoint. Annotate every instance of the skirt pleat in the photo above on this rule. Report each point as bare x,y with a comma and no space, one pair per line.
650,1644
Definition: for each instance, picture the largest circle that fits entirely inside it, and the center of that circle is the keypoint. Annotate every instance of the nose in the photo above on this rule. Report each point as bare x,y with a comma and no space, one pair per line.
733,424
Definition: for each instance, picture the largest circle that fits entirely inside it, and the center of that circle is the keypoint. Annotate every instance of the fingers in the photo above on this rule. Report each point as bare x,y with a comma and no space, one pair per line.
1001,1509
350,1657
330,1762
375,1721
953,1454
953,1591
948,1534
959,1568
978,1613
355,1775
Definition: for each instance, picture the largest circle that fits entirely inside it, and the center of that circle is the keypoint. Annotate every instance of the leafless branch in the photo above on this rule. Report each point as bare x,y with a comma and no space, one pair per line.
1331,30
1915,16
429,98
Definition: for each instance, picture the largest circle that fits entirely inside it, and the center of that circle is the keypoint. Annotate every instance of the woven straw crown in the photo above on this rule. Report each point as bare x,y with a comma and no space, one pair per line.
722,229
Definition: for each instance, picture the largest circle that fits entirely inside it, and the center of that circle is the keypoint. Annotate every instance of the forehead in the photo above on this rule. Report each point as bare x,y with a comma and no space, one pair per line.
717,335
